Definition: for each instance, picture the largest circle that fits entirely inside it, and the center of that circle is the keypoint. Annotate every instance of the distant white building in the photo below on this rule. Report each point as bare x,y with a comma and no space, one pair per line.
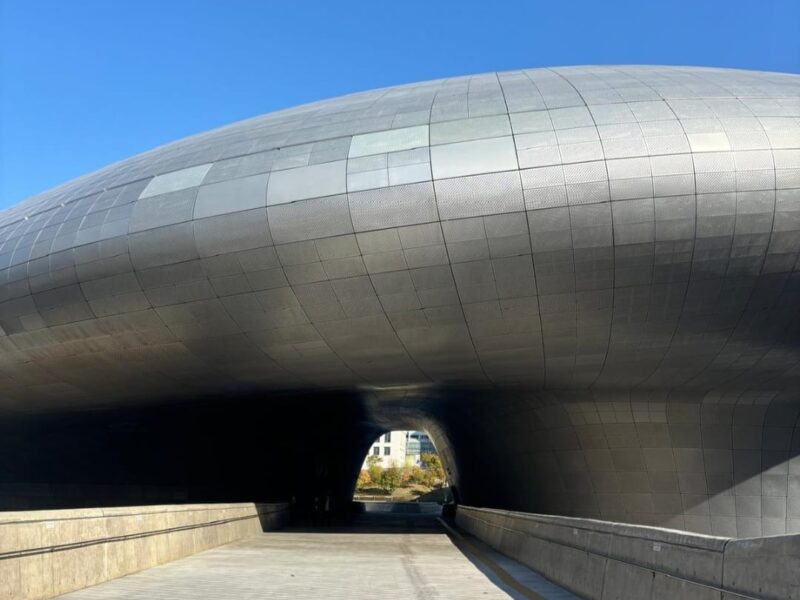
400,448
391,448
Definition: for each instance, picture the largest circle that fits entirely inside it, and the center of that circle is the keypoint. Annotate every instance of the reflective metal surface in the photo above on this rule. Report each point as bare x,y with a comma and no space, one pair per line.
598,226
622,242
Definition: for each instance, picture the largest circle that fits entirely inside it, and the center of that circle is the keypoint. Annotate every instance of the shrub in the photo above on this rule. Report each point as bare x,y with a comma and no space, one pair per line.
433,470
364,480
374,472
390,479
417,474
405,476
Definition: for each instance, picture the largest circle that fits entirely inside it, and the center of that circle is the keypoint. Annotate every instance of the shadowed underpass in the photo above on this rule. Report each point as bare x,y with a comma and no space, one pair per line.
582,282
385,551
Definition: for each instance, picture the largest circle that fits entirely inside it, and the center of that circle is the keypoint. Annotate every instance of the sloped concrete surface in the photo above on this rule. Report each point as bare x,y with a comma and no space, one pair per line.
388,555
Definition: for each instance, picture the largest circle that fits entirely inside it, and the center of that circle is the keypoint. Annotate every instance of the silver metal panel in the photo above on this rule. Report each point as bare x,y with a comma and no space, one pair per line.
240,166
392,207
479,195
476,128
232,232
392,140
470,158
231,196
310,219
176,180
302,183
157,211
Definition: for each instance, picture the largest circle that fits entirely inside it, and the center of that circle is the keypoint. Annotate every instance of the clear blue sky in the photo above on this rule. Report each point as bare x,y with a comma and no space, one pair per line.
84,83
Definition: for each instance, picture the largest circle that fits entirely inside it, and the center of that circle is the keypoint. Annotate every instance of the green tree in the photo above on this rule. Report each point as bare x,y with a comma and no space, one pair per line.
390,479
434,472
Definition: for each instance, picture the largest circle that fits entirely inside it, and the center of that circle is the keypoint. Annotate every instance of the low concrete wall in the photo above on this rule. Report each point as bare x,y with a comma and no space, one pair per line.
46,553
603,560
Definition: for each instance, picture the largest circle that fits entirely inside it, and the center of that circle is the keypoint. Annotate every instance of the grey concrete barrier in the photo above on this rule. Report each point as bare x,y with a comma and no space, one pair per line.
45,553
605,560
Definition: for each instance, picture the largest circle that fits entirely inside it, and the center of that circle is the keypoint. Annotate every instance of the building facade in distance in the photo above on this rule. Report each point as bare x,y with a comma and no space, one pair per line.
391,448
400,448
418,443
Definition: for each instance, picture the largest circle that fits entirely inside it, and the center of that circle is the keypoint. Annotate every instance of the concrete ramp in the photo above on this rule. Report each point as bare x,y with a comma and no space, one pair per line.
361,561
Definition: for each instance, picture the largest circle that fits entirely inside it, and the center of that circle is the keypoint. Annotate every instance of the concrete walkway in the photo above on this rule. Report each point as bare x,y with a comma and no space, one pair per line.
386,556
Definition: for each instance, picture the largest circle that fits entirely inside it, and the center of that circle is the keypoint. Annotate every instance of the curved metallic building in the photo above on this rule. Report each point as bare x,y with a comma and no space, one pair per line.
583,281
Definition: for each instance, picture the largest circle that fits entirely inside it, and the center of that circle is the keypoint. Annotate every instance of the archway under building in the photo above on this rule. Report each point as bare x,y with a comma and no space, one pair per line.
680,461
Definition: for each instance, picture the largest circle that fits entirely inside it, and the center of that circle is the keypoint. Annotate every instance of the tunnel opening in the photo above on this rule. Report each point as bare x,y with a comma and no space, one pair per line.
402,466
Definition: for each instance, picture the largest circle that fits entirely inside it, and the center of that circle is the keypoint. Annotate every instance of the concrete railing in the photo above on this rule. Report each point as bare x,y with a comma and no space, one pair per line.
603,560
49,552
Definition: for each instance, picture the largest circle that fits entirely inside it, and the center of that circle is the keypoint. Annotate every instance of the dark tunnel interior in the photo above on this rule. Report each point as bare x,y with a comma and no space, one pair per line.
231,449
235,448
521,451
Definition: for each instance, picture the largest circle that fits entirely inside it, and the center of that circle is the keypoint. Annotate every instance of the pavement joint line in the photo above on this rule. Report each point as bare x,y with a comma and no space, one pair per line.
462,543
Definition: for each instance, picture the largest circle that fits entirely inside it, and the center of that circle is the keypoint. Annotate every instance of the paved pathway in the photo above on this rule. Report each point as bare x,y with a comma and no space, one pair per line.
383,556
